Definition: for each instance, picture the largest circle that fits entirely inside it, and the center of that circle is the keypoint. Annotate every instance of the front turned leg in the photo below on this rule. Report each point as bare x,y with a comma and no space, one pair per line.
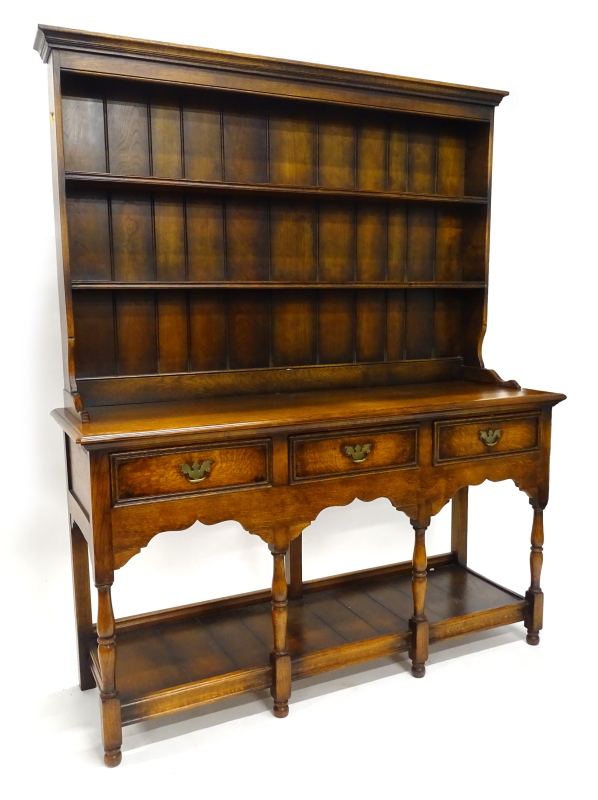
535,595
110,704
418,623
281,661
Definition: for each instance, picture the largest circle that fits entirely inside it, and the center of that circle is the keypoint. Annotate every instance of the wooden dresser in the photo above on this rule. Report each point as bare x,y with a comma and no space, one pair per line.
274,284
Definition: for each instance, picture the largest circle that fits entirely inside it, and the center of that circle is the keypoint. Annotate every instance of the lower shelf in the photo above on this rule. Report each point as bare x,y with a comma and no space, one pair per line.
184,663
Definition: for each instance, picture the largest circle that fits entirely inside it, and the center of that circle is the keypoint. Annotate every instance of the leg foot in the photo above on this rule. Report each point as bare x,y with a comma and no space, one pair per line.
418,670
112,758
533,638
280,710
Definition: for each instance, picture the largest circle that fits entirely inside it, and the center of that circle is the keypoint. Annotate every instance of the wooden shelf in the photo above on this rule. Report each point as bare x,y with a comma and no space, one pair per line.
107,181
276,285
192,655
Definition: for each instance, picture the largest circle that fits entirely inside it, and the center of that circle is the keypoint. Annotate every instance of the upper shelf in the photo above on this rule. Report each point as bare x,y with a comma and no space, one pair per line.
277,285
109,181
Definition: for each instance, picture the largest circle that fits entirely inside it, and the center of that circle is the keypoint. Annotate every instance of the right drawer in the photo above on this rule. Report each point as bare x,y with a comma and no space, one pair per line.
485,437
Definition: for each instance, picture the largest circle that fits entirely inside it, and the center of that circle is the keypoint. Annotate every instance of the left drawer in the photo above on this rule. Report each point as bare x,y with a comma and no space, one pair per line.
180,471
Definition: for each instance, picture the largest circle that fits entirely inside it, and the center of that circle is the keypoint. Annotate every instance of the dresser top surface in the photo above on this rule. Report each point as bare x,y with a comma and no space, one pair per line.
329,409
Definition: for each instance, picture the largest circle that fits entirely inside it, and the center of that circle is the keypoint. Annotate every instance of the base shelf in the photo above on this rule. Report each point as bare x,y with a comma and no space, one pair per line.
178,664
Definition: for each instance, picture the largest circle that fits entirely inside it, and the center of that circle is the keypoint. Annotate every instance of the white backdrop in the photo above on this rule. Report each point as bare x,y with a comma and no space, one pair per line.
496,719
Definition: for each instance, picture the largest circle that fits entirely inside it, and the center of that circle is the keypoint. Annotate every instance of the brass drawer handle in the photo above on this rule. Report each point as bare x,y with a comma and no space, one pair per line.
358,453
197,472
490,437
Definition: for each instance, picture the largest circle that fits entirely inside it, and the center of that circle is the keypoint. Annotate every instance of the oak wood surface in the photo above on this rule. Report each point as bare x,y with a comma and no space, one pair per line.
160,473
273,285
119,423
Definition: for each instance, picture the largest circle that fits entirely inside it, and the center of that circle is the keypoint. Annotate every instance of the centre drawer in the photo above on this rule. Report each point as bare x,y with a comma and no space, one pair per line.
190,470
352,452
485,437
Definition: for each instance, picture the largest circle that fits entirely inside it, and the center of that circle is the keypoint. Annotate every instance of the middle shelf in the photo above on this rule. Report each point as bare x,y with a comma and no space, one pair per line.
109,181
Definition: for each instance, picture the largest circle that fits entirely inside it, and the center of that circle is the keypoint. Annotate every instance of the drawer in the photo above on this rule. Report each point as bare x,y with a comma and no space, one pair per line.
353,452
190,470
486,437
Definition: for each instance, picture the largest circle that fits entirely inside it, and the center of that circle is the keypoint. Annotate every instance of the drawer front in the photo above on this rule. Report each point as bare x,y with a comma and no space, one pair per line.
184,470
351,453
486,437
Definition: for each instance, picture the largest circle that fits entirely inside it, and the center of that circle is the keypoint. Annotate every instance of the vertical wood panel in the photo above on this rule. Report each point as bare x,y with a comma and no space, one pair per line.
166,138
89,237
449,231
169,225
128,141
336,169
202,139
136,333
294,241
451,164
419,326
336,242
132,236
477,160
336,327
83,133
247,240
205,239
420,243
370,317
372,167
397,243
294,328
371,242
245,147
248,329
398,158
422,159
172,332
474,253
447,324
395,325
207,329
293,151
95,352
473,306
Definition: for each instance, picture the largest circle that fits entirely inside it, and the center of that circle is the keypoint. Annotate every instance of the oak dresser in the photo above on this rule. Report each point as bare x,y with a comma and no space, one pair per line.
274,284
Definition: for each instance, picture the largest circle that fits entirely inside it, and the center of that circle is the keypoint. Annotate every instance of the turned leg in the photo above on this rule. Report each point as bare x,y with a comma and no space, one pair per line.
534,595
110,704
418,622
82,596
281,661
459,526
